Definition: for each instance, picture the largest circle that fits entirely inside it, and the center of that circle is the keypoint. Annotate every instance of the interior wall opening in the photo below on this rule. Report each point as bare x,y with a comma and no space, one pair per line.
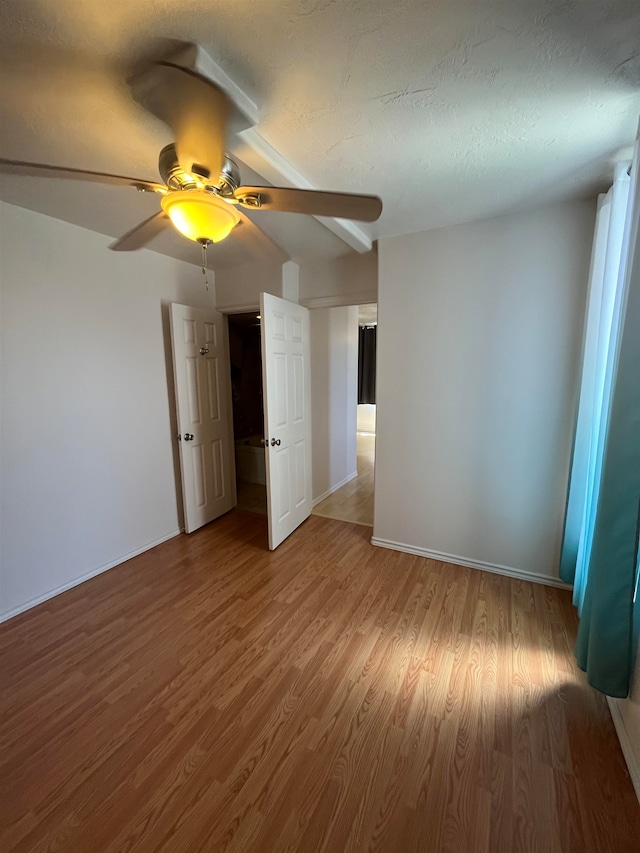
366,417
353,501
245,357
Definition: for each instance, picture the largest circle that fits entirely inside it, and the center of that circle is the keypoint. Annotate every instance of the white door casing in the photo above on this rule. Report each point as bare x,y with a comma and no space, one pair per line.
203,400
286,382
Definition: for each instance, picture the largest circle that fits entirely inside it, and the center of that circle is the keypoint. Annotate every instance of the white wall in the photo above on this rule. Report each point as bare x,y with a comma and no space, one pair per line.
366,417
334,390
239,288
479,333
626,715
350,279
87,471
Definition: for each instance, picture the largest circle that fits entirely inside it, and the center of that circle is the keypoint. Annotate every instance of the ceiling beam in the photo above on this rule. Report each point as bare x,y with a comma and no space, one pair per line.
248,145
263,158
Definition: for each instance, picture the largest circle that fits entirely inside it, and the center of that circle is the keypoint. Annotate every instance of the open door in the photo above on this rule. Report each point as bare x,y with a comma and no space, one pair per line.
287,414
203,400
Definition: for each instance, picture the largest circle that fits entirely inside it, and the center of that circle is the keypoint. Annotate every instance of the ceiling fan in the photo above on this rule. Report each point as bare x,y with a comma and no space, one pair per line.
202,193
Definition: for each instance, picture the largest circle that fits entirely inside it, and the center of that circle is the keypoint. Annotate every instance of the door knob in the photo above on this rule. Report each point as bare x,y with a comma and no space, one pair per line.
188,436
275,442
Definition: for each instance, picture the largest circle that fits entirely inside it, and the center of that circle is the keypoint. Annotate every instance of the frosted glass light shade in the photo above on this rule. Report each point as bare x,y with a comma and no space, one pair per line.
199,215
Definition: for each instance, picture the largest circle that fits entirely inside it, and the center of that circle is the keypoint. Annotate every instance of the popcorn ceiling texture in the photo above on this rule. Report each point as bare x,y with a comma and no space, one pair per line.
450,111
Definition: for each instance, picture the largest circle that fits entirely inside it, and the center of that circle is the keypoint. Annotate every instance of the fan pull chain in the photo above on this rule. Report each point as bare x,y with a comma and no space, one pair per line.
205,243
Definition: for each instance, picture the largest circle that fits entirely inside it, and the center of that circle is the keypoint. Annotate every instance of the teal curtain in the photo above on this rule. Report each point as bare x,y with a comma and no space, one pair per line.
600,545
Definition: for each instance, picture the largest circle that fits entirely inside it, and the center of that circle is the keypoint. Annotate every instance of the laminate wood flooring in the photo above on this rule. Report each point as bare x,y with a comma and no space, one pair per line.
209,695
354,501
252,497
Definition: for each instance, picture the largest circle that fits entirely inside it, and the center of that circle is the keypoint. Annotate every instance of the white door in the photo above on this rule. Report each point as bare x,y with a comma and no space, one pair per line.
203,397
287,414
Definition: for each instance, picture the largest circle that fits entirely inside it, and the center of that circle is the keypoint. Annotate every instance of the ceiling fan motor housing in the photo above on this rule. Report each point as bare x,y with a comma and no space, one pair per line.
176,179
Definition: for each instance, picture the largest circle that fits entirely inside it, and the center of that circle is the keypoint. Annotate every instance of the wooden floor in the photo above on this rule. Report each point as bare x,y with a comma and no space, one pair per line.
354,501
330,696
251,497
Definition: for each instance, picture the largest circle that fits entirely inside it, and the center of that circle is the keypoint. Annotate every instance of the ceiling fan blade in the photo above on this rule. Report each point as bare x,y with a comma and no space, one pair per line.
365,208
142,233
40,170
195,109
253,238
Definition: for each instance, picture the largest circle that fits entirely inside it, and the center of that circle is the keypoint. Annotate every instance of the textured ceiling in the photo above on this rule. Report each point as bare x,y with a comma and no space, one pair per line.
449,111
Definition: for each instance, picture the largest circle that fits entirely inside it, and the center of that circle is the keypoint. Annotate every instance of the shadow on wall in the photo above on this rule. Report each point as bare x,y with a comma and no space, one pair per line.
190,275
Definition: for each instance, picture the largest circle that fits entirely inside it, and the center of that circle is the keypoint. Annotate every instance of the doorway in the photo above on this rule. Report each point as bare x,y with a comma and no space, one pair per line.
269,366
245,357
354,501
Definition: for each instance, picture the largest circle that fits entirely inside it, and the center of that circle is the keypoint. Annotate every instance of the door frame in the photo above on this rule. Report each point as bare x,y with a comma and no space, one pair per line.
357,299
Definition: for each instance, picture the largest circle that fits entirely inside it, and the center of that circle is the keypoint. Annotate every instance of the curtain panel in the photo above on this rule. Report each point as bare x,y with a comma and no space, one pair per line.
367,364
600,544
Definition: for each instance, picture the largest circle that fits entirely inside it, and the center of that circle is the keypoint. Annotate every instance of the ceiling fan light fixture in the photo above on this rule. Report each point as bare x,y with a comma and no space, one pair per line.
199,215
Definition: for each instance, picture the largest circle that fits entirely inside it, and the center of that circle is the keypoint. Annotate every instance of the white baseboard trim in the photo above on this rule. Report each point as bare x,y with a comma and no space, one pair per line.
625,744
8,614
335,488
495,568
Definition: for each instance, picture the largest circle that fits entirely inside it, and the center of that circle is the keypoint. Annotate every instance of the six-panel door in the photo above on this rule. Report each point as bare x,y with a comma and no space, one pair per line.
203,399
287,387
